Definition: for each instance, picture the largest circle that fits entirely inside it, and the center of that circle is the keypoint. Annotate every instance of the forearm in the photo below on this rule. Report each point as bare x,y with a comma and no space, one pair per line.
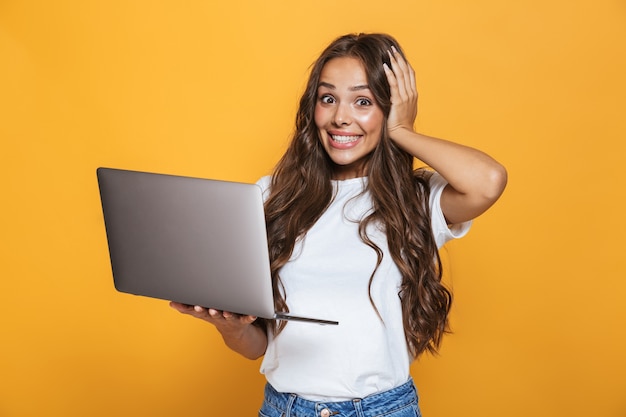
251,342
467,170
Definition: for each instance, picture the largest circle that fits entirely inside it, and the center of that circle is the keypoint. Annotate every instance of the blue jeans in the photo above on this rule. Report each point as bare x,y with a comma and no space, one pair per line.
397,402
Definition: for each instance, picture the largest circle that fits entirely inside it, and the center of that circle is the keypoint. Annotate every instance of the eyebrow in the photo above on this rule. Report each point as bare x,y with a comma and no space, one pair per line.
354,88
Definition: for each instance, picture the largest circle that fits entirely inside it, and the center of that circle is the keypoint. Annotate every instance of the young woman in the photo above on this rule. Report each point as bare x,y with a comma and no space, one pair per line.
354,233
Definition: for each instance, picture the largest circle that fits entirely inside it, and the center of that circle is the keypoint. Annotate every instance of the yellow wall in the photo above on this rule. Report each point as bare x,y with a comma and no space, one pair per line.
207,88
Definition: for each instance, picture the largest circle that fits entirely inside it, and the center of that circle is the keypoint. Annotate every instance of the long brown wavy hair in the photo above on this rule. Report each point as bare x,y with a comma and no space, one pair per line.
301,190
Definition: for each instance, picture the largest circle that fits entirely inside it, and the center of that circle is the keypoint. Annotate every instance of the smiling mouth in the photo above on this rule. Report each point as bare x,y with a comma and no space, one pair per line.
345,139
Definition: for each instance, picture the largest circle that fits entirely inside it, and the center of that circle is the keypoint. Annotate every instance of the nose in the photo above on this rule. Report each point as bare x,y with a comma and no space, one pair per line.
342,115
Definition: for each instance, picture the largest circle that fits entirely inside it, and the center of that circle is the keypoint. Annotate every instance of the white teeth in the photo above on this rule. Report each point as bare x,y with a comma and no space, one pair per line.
344,139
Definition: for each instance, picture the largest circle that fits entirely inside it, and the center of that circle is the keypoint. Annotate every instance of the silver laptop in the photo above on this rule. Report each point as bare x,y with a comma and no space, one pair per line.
190,240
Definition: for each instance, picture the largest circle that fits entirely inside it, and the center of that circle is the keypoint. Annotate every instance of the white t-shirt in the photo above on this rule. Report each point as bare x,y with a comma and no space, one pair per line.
327,278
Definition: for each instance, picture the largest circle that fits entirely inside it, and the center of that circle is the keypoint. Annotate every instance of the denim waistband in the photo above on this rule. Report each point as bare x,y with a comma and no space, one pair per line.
373,405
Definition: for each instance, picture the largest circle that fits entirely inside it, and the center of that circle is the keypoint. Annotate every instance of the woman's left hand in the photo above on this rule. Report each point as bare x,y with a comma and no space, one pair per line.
401,78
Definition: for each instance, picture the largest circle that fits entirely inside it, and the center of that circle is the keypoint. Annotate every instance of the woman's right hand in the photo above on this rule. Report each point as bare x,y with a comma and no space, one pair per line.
236,329
221,319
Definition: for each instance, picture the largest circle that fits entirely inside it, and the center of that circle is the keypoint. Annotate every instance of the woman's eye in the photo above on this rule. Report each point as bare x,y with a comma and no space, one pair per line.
363,102
327,99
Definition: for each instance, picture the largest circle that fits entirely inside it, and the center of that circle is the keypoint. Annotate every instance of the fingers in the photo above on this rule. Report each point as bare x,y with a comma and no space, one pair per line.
393,82
216,314
182,308
219,316
212,315
401,76
398,71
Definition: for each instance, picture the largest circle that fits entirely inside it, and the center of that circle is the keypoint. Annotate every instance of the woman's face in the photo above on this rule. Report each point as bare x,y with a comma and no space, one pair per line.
348,119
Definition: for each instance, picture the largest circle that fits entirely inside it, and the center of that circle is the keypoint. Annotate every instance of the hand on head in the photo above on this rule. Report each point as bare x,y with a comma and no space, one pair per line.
401,78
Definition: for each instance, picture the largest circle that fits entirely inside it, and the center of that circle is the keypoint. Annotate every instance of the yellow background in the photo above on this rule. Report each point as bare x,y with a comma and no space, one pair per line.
209,88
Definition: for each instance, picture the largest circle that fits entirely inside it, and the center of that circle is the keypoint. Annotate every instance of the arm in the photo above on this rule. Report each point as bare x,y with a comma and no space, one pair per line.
475,180
239,332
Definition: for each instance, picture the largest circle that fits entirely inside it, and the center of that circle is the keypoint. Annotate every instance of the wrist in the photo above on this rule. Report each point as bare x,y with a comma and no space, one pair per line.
403,136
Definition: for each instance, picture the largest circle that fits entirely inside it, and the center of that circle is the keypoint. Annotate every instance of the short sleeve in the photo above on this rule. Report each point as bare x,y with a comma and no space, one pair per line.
441,230
264,183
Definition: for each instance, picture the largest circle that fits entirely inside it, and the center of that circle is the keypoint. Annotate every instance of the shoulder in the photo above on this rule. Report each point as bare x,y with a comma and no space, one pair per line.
431,181
265,183
436,183
442,231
